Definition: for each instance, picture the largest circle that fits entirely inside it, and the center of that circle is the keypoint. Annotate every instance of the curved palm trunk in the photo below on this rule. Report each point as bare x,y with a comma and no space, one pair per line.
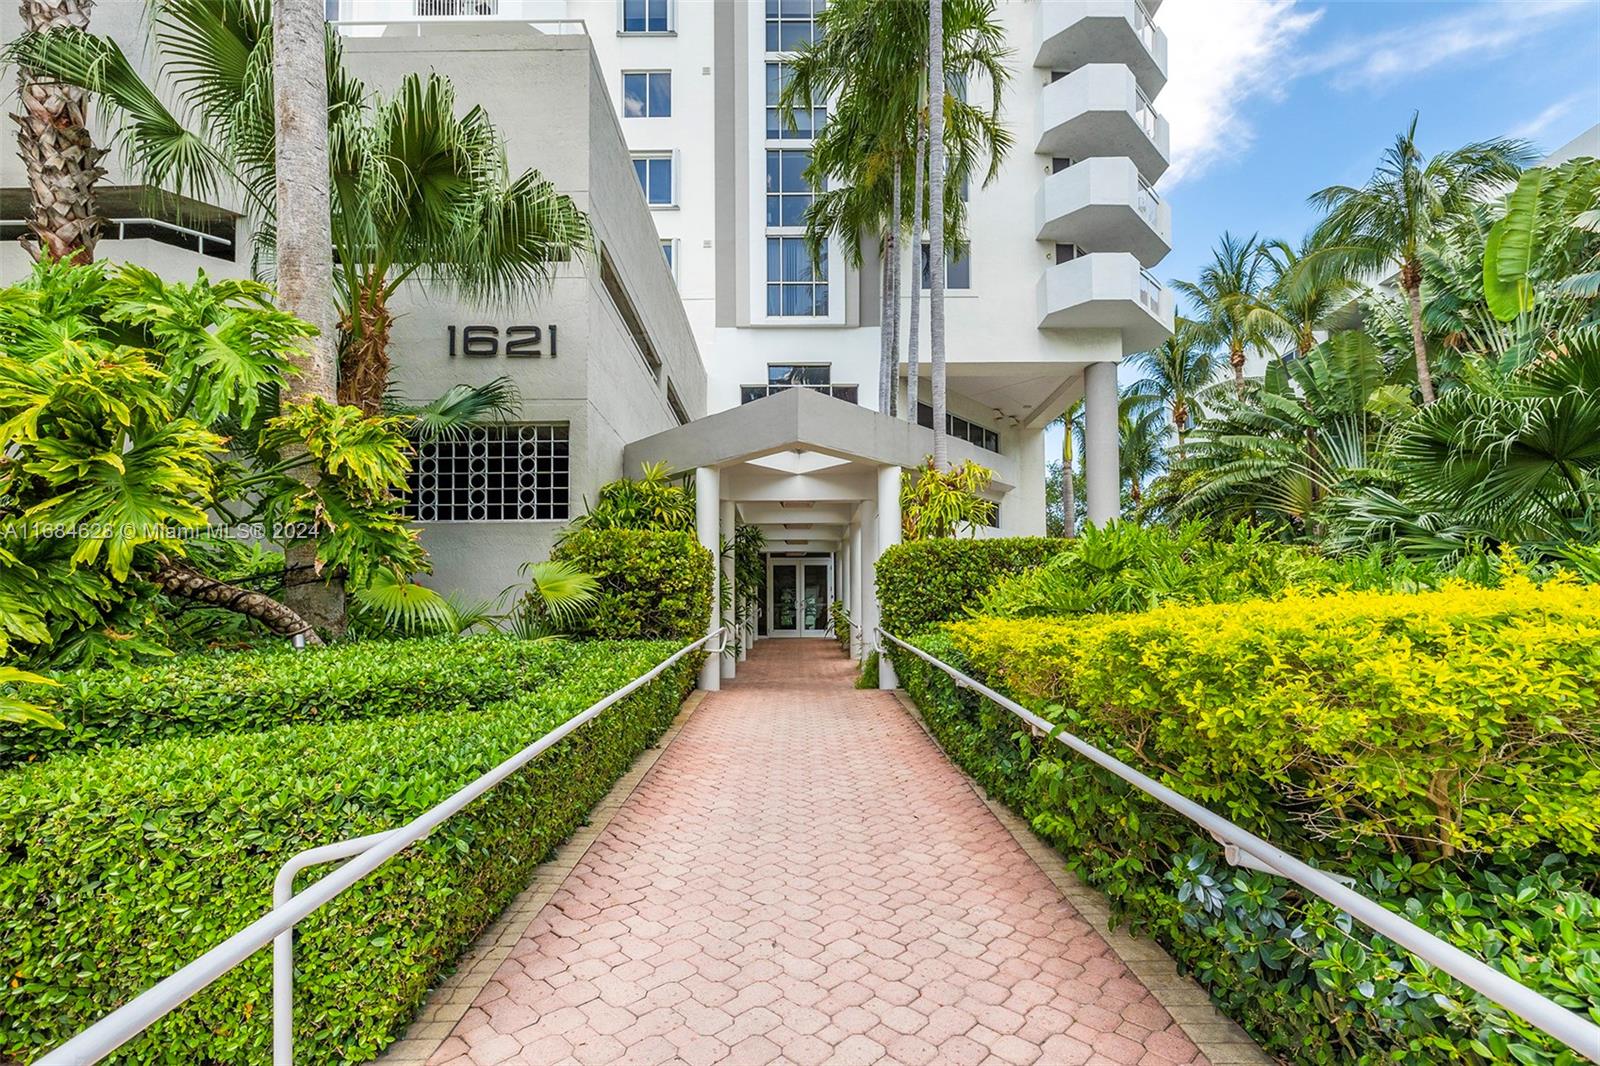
936,95
305,255
912,340
1411,282
1069,490
179,579
57,150
364,373
894,292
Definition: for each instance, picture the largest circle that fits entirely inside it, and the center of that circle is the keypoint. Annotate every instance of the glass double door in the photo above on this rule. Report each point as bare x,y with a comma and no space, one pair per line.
799,592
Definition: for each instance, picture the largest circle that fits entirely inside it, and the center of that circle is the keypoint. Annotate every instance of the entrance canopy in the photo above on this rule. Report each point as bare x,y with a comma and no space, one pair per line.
798,463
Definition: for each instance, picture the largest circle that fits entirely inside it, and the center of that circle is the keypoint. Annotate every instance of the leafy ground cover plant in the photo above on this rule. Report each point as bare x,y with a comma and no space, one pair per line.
123,865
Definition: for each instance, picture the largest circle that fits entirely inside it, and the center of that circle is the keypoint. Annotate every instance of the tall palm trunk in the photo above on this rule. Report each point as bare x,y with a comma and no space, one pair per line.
57,149
912,340
1411,282
305,256
894,291
885,396
936,94
1069,488
1236,360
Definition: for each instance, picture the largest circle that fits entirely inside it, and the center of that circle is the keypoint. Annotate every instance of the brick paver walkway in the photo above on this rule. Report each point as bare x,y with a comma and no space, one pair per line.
803,877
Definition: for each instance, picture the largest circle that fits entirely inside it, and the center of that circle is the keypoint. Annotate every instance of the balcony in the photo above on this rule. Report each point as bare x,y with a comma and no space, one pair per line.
1106,290
1099,110
1103,31
1104,205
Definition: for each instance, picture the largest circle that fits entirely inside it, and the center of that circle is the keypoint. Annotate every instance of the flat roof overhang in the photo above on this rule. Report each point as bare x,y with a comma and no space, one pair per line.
801,420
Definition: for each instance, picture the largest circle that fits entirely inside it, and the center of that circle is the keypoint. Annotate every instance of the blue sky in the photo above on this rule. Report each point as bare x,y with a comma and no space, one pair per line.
1270,100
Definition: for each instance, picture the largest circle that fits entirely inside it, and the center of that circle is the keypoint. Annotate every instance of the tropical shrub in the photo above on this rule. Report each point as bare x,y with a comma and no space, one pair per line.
654,586
252,691
930,581
1439,748
942,503
121,866
840,622
556,599
652,502
134,411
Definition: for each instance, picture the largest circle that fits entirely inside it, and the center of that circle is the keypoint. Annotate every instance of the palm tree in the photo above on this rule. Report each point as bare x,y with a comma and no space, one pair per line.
1175,374
1227,292
937,89
1391,218
57,149
920,150
1071,423
415,186
1296,302
1141,435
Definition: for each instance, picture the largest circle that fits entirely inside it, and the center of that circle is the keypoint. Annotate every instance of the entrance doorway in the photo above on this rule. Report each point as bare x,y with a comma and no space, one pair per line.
798,594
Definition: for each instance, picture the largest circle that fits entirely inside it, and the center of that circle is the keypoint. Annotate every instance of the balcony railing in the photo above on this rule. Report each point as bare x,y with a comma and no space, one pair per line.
1150,292
1148,204
1144,26
847,393
1145,114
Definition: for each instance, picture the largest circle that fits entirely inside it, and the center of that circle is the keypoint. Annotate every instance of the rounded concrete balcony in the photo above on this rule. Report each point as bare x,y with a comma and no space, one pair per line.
1106,290
1105,205
1103,31
1098,110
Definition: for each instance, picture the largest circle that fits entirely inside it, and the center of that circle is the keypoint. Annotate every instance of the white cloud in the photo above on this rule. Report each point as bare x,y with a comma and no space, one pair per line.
1537,126
1220,54
1471,35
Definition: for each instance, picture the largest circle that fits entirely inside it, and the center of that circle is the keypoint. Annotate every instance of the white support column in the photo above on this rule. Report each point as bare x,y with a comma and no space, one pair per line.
1102,467
888,536
707,501
729,524
858,620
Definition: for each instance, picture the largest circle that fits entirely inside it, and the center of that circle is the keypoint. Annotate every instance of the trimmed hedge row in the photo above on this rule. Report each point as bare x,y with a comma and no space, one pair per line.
242,692
653,586
1438,747
123,865
925,582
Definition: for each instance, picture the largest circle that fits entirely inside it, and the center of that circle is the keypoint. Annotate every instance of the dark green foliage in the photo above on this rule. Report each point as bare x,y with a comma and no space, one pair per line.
653,586
121,866
931,581
244,692
1308,983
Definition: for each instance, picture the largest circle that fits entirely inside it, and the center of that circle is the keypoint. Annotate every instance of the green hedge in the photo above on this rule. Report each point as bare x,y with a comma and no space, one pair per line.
242,692
1320,724
653,586
123,865
926,582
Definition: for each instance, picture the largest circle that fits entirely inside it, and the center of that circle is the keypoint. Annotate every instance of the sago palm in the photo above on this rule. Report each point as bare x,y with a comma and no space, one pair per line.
1390,219
1225,295
1176,373
415,185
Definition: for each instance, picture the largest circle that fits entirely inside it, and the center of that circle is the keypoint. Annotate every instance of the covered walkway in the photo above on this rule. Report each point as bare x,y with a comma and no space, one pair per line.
803,877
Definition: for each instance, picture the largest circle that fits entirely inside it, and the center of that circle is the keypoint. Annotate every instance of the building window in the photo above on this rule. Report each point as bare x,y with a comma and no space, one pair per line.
655,178
817,377
669,251
1066,253
646,16
618,294
807,124
675,403
957,270
491,474
457,8
791,24
647,94
794,287
788,192
961,429
1059,163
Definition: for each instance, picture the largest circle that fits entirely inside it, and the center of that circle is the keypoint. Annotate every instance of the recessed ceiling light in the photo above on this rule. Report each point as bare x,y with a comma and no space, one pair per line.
795,503
797,525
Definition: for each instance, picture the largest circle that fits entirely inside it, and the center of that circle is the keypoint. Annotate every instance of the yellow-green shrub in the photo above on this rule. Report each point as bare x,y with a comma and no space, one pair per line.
1461,720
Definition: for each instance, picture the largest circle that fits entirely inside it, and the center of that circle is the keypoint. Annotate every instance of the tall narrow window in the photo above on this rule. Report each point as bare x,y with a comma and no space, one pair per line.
791,24
807,123
794,287
788,192
655,178
647,94
646,16
669,250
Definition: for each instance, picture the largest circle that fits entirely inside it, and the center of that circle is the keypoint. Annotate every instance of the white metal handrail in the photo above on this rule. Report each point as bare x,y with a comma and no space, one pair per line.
366,854
1243,848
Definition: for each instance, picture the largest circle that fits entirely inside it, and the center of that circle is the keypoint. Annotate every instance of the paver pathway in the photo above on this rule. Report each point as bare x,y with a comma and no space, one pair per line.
803,877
